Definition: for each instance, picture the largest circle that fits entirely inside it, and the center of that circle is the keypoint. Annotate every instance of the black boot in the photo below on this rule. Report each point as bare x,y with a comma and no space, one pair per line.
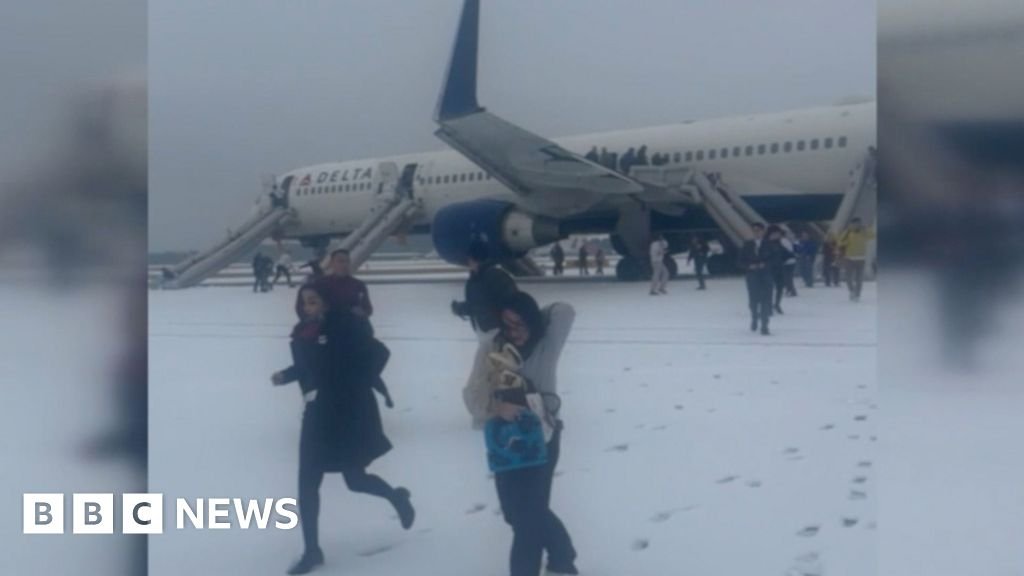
401,500
753,325
764,330
310,560
778,309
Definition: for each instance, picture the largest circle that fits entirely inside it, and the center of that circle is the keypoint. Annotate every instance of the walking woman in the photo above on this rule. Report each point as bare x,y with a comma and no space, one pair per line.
524,398
338,364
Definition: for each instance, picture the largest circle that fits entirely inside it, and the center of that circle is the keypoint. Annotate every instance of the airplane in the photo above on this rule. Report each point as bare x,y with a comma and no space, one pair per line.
517,190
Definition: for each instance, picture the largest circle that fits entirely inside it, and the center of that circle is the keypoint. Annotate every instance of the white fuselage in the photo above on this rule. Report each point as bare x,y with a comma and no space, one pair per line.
802,152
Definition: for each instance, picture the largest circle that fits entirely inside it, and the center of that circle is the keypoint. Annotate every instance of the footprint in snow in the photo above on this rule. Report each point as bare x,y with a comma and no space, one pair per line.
754,484
627,369
726,480
860,418
662,517
864,464
857,495
679,406
639,426
610,411
476,508
717,376
377,550
660,427
860,479
618,448
641,544
806,565
791,450
809,531
827,427
849,522
854,436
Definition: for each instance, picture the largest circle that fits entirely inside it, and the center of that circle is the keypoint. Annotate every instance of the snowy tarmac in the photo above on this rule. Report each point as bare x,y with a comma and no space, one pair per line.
692,446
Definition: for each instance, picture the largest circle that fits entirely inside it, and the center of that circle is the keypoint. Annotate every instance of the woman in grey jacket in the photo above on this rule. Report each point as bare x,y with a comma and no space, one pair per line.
525,494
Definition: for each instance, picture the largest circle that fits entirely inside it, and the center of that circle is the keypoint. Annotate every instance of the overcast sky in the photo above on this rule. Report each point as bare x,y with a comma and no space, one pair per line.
51,52
242,88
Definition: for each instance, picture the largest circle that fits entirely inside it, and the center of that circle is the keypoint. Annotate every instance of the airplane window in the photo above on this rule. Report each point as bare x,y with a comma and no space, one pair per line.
711,154
800,145
700,154
828,142
736,151
462,177
814,144
689,156
775,147
750,151
761,148
842,141
677,157
788,146
725,152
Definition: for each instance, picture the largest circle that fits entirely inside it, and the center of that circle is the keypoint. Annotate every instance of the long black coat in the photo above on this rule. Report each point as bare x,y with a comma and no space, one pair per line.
342,428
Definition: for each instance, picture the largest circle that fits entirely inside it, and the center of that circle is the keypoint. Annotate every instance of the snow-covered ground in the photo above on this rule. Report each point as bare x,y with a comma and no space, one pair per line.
692,445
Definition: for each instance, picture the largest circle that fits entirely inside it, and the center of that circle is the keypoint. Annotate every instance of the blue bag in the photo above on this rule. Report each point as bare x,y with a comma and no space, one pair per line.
515,445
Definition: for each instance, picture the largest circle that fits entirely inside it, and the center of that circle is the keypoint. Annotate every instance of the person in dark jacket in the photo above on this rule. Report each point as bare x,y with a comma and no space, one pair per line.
782,265
344,291
558,258
337,363
830,260
807,251
757,257
538,337
699,256
582,261
488,285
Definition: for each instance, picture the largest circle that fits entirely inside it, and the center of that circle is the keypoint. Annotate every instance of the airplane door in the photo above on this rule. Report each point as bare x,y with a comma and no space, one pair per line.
407,182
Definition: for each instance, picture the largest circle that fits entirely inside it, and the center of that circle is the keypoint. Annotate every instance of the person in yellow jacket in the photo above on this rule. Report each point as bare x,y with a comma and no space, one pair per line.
853,245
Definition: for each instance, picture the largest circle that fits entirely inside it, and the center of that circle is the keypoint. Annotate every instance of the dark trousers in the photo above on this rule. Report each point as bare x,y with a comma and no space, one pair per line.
281,270
855,276
698,267
788,272
559,268
830,270
778,274
759,294
310,477
807,270
525,497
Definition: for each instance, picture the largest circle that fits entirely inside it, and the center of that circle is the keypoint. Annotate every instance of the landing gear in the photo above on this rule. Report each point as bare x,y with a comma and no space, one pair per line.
632,270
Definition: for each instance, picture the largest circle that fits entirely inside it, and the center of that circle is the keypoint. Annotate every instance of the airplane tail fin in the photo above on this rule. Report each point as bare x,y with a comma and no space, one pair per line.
458,97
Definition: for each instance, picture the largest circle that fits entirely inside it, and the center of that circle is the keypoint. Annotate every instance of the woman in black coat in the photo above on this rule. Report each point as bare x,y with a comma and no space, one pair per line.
338,364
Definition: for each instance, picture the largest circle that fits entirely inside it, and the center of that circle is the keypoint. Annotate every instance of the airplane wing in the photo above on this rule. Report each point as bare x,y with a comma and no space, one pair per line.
531,165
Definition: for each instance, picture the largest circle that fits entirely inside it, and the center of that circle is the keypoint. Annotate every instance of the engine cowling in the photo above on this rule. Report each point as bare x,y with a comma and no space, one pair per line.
508,231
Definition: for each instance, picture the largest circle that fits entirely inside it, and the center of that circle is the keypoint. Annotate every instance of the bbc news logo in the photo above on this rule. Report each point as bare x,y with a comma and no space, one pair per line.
144,513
